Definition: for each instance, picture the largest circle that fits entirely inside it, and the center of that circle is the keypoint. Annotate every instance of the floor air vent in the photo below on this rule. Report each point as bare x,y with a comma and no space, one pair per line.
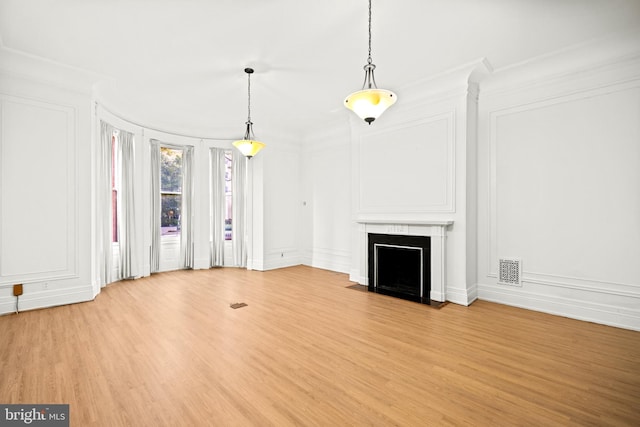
238,305
510,271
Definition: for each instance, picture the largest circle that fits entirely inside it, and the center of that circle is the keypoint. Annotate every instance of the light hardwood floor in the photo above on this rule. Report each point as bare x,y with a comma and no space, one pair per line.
307,350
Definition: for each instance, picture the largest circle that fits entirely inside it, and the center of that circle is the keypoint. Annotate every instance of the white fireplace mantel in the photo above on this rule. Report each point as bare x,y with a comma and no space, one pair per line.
405,222
436,230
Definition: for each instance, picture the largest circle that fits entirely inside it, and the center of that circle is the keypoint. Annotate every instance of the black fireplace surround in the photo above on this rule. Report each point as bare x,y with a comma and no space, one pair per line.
400,266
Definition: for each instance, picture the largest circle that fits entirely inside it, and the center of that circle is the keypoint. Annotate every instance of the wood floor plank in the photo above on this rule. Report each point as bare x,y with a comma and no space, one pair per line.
168,350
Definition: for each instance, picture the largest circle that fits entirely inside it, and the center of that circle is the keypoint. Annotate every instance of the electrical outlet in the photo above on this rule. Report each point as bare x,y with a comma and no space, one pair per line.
45,285
17,290
281,254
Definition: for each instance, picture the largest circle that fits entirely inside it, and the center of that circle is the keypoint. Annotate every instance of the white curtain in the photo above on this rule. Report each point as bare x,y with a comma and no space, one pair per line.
126,207
239,210
104,200
187,211
218,202
155,206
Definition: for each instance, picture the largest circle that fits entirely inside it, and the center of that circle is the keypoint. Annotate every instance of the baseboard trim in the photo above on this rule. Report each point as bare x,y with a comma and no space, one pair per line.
331,266
46,299
605,314
461,295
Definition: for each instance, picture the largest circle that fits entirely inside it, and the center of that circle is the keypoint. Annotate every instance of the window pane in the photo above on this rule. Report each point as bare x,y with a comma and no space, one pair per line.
170,170
114,189
114,216
170,219
170,190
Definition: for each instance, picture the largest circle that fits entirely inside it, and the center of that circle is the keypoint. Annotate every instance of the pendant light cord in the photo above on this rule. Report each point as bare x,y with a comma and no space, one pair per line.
369,102
369,60
369,79
249,101
249,132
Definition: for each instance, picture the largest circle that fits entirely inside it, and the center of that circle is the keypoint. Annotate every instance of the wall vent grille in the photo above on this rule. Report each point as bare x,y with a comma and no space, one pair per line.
510,272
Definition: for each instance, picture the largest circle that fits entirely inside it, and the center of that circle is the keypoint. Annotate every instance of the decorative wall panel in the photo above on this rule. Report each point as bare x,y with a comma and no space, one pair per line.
38,197
565,174
408,169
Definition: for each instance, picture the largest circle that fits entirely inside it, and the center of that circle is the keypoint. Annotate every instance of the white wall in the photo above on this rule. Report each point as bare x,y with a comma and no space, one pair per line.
45,183
326,197
559,184
277,211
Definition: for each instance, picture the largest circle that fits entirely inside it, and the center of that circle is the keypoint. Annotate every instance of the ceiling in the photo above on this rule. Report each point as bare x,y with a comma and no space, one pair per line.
178,64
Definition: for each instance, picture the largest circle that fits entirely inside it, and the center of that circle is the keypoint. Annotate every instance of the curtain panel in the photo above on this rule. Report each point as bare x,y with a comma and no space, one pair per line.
104,217
155,205
187,215
218,202
129,267
239,209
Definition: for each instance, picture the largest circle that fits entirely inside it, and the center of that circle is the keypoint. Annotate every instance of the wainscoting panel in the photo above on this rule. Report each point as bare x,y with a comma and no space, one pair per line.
331,259
559,189
38,191
589,305
325,207
409,168
281,258
281,208
562,170
47,298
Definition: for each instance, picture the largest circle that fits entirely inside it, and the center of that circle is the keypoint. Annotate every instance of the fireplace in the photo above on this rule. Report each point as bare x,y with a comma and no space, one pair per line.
436,230
400,266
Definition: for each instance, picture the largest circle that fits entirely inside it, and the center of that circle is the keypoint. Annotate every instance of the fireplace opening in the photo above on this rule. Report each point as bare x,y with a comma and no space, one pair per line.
400,266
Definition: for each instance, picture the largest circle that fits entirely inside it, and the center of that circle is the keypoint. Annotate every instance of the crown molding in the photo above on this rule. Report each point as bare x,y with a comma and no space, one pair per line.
21,65
577,61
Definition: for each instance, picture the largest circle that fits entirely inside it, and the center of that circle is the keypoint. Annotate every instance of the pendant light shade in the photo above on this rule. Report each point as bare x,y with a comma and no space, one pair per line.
370,102
248,145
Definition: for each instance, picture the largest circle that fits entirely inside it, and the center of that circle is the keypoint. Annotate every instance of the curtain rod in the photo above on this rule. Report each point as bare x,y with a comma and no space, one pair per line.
156,129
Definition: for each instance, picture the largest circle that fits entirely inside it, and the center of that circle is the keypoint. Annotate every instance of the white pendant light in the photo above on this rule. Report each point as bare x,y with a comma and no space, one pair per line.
248,145
370,102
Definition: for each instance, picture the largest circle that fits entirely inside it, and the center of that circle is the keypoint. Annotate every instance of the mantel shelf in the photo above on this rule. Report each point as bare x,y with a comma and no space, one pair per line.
404,222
